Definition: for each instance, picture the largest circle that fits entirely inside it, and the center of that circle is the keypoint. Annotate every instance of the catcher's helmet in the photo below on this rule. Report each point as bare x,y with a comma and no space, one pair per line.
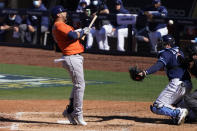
168,39
165,40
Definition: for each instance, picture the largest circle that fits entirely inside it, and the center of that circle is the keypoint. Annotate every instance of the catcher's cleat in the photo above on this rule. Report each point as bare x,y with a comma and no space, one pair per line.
182,115
151,108
67,113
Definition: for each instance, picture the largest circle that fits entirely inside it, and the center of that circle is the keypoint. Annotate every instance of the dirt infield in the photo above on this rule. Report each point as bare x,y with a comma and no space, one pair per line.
45,115
119,116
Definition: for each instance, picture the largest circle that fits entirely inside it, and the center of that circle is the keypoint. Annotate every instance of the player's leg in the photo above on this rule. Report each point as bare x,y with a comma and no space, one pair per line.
163,31
191,101
23,29
153,36
99,40
173,92
121,34
90,38
74,64
104,31
166,110
177,114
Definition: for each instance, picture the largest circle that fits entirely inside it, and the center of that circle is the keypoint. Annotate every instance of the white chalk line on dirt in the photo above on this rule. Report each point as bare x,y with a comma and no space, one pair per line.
19,115
7,116
5,127
15,126
58,121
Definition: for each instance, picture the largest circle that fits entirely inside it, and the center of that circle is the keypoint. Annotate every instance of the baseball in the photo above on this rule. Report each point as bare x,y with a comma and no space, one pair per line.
171,22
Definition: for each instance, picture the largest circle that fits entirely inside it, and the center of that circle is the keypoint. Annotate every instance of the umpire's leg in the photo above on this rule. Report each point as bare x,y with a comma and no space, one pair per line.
191,101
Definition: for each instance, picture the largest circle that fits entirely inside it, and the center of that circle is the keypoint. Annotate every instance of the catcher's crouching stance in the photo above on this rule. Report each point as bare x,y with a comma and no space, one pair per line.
179,81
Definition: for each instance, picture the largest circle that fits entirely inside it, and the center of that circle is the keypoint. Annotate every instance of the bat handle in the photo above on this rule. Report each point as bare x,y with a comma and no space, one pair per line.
92,22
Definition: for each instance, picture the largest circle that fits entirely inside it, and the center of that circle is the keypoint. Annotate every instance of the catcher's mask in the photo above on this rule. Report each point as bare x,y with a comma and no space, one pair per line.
166,40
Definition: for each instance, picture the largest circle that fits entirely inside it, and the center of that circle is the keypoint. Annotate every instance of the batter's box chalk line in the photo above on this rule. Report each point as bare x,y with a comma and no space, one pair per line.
19,115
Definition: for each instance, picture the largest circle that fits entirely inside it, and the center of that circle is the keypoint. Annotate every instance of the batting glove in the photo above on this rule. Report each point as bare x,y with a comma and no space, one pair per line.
86,30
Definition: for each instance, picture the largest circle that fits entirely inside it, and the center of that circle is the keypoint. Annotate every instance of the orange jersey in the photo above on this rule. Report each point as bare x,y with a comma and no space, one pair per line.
67,46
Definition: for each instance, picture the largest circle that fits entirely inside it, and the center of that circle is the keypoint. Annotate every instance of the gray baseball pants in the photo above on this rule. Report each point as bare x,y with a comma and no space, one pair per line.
74,65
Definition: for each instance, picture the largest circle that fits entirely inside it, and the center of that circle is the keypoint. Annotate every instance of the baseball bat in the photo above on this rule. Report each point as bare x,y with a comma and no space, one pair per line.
90,25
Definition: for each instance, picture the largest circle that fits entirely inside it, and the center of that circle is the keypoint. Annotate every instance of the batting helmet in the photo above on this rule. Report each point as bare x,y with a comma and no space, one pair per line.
57,9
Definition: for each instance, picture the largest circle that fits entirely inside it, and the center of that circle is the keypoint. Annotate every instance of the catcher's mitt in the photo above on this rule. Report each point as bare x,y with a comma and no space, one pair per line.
134,71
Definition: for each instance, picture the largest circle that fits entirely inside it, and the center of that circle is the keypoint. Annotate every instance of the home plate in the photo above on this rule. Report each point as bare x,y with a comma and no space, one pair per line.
63,121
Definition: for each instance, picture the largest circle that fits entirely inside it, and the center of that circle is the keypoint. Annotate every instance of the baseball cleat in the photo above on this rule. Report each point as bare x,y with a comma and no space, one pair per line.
70,117
181,117
80,120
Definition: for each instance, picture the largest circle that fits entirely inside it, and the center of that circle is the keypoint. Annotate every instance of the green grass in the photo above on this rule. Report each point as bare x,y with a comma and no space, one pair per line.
122,87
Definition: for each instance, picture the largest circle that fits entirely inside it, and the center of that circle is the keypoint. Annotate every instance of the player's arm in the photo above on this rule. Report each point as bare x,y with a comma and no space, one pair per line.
104,11
74,35
5,27
79,33
68,31
161,63
163,13
154,68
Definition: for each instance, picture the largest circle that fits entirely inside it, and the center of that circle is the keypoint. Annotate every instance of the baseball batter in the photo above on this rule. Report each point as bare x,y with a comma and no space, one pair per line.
179,81
68,41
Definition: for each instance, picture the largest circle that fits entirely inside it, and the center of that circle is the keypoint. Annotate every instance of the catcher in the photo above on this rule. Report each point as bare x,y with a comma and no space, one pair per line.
179,81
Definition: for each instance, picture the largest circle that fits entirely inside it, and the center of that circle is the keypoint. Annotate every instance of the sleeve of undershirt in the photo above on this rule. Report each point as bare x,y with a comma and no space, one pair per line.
154,68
